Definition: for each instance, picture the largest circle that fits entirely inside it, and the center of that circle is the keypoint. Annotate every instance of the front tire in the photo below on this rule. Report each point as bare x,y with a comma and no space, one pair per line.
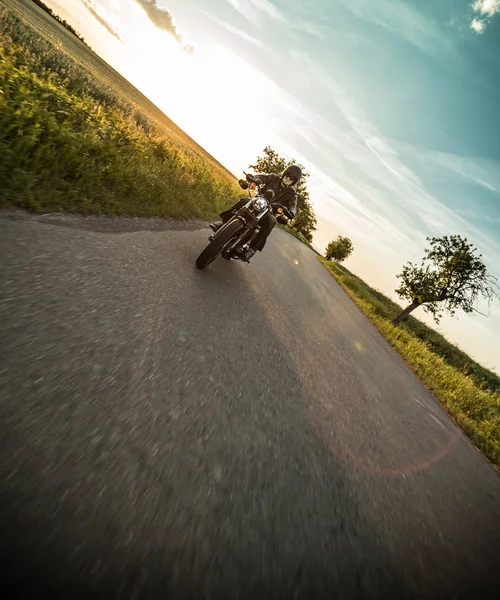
216,246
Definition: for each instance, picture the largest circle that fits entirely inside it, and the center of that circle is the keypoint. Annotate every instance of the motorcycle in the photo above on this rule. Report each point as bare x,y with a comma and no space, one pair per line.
233,238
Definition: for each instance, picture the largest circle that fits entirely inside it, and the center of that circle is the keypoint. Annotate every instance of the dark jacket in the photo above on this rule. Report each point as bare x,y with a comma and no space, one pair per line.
285,196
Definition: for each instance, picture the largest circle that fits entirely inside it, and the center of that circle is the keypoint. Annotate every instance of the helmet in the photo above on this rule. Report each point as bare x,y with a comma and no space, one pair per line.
293,171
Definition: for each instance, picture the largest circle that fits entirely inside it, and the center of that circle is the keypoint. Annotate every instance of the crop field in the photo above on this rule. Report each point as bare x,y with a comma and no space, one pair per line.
78,136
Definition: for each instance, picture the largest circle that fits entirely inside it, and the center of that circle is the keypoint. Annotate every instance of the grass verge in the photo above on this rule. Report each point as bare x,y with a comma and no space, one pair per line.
70,142
471,395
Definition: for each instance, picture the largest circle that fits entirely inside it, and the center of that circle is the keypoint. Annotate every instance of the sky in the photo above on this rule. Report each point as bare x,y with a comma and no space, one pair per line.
392,106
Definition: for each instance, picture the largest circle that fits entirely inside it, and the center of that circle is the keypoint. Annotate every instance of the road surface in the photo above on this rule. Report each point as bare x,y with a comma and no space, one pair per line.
239,432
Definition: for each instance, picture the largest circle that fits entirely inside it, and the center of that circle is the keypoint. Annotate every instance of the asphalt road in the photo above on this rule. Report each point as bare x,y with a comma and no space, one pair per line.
240,432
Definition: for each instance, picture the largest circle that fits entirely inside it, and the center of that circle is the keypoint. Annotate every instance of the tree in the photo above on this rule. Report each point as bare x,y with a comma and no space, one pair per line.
451,277
271,162
339,249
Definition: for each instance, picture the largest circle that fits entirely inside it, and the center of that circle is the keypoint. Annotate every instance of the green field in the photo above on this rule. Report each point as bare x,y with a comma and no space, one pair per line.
468,391
77,136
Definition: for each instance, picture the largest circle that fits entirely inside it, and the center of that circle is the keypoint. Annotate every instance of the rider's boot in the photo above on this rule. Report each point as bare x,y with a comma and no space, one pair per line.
215,228
216,225
247,254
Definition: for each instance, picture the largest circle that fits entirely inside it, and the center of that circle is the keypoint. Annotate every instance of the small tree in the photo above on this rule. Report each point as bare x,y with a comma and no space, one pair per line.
271,162
339,249
451,277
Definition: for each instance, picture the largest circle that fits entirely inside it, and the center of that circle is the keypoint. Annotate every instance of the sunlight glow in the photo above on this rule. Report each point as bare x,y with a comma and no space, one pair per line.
237,113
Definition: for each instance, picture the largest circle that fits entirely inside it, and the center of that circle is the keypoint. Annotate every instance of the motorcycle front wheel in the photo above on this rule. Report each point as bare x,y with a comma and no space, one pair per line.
216,246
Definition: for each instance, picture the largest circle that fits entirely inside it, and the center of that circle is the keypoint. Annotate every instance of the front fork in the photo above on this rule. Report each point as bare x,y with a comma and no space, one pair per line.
244,237
247,236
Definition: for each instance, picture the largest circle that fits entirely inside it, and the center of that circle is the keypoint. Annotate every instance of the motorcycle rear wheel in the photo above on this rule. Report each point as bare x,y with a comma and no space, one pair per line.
216,246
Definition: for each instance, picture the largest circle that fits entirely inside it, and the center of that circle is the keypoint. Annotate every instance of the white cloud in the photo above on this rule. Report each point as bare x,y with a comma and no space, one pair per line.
102,19
411,24
477,25
163,20
487,9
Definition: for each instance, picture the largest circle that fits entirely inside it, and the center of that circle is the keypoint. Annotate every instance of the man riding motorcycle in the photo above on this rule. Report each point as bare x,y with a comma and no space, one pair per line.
284,193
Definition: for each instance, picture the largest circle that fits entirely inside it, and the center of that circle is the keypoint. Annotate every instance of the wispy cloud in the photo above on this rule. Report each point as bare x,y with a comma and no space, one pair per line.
250,9
91,7
163,19
354,173
362,182
407,22
234,30
481,171
486,9
256,11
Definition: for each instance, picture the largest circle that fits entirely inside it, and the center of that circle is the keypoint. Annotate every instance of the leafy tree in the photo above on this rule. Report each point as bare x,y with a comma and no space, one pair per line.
451,277
271,162
339,249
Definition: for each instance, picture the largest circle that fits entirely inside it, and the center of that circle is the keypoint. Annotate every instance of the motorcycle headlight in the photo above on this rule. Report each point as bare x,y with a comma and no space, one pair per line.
259,203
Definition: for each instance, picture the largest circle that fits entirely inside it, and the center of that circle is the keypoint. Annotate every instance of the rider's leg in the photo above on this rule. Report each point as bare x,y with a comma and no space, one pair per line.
267,224
227,214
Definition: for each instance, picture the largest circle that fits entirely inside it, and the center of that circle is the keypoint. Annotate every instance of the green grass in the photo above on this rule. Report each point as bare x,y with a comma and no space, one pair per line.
468,391
76,136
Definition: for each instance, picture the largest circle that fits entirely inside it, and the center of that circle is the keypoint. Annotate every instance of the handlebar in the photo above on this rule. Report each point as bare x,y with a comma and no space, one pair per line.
252,179
285,209
274,205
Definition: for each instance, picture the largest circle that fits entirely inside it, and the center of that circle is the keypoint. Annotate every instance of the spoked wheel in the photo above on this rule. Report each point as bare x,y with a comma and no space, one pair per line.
216,246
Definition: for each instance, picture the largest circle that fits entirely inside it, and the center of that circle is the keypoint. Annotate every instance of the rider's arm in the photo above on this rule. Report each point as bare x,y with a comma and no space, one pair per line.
263,177
292,205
